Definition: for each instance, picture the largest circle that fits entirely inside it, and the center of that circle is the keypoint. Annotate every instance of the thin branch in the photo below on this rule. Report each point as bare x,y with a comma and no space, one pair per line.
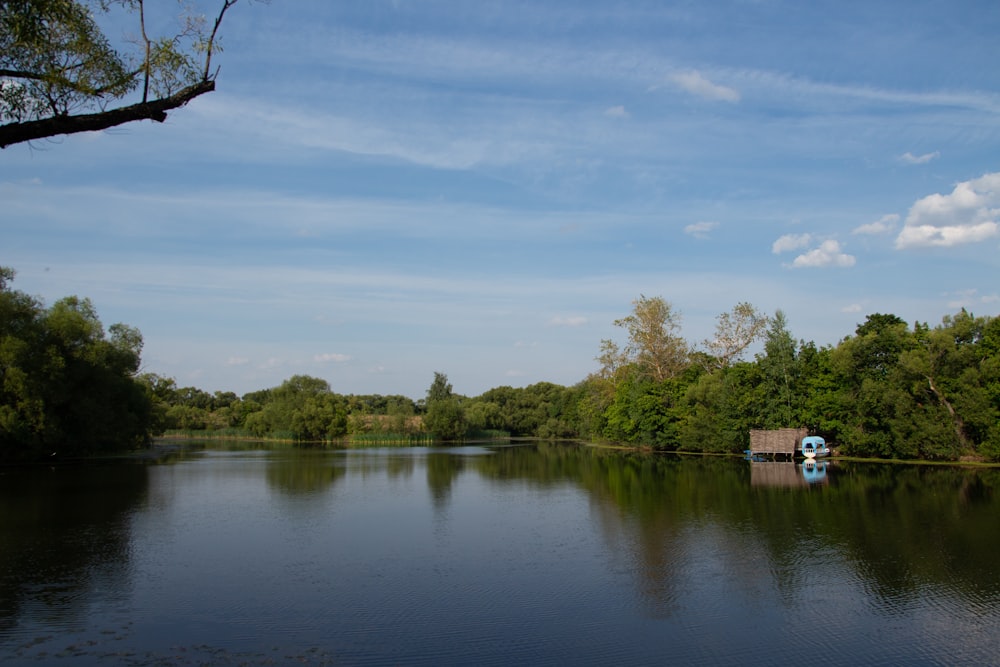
211,38
145,41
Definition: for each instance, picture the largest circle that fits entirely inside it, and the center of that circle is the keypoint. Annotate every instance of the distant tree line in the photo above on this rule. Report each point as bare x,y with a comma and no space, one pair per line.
889,390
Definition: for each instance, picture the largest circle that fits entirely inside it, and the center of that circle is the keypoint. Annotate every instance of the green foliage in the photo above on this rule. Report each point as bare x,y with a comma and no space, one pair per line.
60,73
543,410
887,391
67,387
303,408
445,416
654,344
57,59
440,389
446,419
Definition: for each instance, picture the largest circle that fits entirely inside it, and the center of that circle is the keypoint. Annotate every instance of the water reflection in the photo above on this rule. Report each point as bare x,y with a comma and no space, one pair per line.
307,472
64,539
443,468
546,552
904,528
788,474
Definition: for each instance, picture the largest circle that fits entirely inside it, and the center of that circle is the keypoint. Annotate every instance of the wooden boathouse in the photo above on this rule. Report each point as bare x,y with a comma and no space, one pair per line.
776,442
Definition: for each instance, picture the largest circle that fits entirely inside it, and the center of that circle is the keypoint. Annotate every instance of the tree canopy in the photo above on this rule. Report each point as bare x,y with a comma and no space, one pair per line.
60,73
67,386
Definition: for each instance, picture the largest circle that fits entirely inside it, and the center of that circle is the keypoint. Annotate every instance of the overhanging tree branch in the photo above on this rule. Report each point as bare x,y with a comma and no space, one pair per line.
59,74
32,130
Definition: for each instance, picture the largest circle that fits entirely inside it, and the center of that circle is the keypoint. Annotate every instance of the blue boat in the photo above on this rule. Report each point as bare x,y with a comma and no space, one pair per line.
814,447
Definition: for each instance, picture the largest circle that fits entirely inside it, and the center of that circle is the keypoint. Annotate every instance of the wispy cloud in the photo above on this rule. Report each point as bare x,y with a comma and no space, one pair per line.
700,230
910,158
851,308
616,112
332,357
572,321
697,84
971,298
968,214
828,254
790,242
883,225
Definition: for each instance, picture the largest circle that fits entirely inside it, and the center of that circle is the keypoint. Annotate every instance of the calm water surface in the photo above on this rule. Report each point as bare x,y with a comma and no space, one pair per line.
549,554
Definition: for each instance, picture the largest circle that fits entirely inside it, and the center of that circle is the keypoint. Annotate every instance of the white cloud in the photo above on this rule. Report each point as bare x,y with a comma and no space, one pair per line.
331,357
827,254
616,112
695,83
968,215
790,242
970,298
883,225
573,321
700,230
910,158
237,361
852,308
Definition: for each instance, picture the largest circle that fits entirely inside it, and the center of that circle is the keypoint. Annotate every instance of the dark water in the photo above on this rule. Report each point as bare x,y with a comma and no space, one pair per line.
552,554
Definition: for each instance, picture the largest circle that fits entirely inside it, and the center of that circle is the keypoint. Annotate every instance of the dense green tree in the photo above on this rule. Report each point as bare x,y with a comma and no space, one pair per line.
718,412
440,388
823,406
484,415
67,387
779,395
543,410
445,417
301,408
877,345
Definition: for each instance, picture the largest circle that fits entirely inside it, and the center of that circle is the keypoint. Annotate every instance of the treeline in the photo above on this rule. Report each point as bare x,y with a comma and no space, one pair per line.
305,409
889,390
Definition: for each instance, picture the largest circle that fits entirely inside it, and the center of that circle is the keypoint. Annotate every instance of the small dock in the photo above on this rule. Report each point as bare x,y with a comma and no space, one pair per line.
774,443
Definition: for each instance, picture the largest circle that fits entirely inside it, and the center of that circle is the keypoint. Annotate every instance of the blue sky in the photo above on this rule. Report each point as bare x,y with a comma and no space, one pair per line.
380,190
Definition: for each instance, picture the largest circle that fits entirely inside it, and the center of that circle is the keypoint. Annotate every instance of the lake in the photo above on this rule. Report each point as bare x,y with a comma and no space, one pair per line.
523,554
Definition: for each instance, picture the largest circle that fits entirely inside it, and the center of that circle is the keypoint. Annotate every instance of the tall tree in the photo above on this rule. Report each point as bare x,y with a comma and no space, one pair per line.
60,74
779,369
445,416
654,341
735,331
440,388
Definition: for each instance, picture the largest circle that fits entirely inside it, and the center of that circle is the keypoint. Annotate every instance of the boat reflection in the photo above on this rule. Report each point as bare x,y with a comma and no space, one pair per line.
788,473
